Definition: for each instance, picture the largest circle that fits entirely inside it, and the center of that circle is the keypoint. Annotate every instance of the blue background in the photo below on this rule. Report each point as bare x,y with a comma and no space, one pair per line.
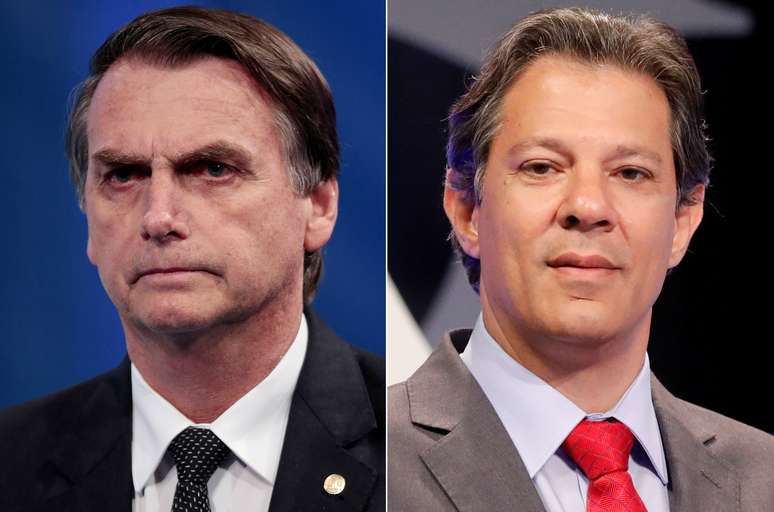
58,325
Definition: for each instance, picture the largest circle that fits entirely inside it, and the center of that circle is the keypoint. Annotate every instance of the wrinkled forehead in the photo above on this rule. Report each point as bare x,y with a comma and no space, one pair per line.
206,78
139,103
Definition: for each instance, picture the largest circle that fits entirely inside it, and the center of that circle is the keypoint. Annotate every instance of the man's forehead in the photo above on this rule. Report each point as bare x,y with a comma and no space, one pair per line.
551,75
559,101
134,80
188,105
135,62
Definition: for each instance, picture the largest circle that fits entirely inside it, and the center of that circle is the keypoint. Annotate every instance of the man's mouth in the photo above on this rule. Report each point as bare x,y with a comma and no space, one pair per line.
574,260
159,273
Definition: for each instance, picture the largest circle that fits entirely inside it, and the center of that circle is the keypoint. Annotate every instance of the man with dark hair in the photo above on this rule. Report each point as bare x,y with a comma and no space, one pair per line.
204,153
577,168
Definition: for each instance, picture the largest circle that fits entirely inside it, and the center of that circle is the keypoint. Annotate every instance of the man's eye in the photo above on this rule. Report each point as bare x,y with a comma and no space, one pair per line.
216,169
211,169
632,174
122,174
538,169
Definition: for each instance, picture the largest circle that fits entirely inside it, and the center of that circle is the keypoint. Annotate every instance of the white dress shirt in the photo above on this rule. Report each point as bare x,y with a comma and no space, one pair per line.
539,418
253,428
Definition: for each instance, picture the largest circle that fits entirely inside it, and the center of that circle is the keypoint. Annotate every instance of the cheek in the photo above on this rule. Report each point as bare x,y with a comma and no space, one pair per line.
105,239
660,239
510,226
651,244
260,231
508,238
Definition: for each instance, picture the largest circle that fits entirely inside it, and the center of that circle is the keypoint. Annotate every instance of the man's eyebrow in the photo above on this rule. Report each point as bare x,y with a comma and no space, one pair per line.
216,151
620,151
540,142
114,158
624,151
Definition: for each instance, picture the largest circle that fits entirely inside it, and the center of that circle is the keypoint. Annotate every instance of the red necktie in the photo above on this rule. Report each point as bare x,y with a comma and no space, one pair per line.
601,449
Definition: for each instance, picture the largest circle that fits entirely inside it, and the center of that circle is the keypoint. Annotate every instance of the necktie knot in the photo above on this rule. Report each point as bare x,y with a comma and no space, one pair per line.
601,450
600,447
197,453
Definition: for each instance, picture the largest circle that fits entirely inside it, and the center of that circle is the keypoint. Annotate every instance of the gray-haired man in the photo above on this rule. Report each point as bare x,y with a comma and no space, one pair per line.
576,175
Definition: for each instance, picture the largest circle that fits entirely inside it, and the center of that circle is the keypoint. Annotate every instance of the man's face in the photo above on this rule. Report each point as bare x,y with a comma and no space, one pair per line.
193,221
581,166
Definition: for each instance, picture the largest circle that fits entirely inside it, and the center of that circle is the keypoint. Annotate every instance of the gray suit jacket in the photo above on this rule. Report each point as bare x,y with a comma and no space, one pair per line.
448,449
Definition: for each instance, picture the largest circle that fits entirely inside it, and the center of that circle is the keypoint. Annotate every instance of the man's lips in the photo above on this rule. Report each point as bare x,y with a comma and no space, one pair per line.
170,271
591,261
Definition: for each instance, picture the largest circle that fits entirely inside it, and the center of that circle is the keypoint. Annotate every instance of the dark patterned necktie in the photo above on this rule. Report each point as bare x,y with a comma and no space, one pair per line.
601,449
197,453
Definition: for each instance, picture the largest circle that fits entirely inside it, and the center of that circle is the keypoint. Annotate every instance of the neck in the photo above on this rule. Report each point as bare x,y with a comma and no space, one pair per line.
593,373
203,373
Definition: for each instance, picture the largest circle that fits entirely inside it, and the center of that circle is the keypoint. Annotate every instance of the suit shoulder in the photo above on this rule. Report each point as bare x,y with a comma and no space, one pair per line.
370,364
48,413
746,448
404,434
328,351
397,404
406,438
372,369
32,431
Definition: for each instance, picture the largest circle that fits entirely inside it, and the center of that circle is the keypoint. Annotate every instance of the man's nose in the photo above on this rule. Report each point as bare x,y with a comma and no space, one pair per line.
163,219
587,204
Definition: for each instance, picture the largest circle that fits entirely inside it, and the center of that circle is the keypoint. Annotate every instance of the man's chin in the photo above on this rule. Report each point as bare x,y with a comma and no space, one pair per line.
583,323
174,322
582,333
178,327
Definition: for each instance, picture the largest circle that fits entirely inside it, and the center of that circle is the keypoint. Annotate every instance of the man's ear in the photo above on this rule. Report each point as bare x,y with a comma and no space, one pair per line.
687,220
463,215
322,217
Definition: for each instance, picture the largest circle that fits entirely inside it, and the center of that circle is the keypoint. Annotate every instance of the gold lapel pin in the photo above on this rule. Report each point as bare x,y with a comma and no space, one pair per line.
334,484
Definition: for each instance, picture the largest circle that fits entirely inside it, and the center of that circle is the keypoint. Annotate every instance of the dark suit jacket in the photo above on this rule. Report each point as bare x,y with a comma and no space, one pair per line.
449,450
72,451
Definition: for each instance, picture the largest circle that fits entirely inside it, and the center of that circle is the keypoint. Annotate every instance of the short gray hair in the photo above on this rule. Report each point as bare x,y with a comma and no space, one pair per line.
302,101
641,44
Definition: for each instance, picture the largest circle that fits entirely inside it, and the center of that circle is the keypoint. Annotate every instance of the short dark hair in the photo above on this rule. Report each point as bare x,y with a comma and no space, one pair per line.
302,101
640,44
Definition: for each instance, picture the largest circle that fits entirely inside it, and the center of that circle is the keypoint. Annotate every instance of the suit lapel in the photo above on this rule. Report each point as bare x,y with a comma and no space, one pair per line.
478,467
92,468
698,481
330,415
474,460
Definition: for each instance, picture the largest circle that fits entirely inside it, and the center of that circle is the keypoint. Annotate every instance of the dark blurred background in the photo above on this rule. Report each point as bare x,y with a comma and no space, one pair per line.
709,342
58,326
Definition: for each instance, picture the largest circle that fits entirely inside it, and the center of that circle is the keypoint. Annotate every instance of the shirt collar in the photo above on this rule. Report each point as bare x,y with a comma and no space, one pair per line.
538,418
253,427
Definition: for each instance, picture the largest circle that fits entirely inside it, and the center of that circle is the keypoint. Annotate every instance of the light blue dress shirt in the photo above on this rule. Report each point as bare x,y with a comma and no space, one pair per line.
539,418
